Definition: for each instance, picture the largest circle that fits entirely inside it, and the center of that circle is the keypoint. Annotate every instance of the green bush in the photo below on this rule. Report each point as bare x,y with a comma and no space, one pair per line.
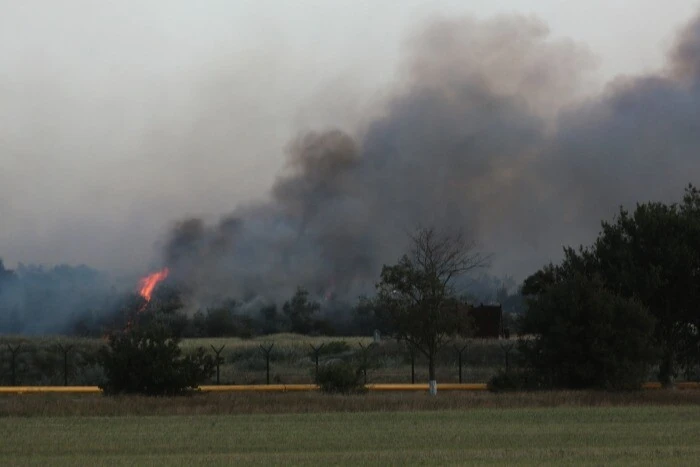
340,377
148,360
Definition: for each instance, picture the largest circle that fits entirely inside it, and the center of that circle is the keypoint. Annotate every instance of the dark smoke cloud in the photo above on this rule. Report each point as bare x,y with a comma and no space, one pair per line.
486,131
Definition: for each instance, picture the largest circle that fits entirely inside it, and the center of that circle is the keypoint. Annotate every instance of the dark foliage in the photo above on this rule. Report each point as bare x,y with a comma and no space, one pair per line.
147,359
340,377
652,256
301,313
269,320
586,336
224,321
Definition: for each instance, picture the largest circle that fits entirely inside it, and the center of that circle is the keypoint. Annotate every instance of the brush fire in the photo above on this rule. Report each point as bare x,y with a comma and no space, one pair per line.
149,283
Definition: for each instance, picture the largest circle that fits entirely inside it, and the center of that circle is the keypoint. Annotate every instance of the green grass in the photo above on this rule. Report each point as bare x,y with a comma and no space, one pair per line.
560,435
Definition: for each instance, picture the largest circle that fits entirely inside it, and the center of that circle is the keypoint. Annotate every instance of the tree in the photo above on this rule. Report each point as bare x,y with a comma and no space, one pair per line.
268,322
367,317
147,359
223,320
586,336
10,319
164,309
417,294
300,312
651,255
6,275
648,255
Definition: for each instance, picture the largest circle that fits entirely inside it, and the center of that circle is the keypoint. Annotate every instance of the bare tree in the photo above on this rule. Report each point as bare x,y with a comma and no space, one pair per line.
417,295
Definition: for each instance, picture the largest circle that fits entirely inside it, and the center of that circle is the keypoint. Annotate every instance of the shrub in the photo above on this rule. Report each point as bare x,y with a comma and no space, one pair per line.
148,360
587,337
340,377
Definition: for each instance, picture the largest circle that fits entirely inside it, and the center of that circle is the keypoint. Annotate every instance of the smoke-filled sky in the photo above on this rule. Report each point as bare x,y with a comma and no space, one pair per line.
321,131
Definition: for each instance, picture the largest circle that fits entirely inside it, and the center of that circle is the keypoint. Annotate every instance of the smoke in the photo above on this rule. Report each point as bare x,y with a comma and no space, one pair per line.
115,127
488,130
35,300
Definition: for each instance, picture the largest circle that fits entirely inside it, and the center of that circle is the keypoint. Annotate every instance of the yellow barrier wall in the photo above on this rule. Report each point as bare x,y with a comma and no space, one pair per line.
49,389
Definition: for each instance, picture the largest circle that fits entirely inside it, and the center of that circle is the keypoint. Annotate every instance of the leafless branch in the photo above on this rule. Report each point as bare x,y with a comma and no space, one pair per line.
446,255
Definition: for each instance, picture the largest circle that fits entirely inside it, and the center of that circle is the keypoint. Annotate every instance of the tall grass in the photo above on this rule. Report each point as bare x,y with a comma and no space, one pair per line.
40,362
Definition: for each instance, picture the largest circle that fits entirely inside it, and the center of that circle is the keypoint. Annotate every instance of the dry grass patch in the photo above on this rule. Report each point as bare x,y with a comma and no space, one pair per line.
61,405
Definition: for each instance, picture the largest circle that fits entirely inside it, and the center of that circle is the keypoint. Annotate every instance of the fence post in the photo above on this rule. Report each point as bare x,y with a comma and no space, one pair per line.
460,351
506,351
219,360
65,350
365,360
316,351
13,362
266,351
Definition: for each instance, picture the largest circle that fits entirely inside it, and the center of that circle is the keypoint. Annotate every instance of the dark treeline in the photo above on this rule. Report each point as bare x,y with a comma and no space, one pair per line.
609,315
81,301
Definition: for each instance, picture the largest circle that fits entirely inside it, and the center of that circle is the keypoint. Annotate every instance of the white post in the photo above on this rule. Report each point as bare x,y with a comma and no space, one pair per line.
432,387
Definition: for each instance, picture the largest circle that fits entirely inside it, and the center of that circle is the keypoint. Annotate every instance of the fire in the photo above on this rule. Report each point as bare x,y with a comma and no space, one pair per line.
148,283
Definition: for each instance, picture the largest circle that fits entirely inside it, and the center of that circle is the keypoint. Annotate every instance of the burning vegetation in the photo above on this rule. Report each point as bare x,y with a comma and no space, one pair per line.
149,283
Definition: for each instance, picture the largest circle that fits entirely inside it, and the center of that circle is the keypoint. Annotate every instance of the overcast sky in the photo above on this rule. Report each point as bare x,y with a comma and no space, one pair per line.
118,118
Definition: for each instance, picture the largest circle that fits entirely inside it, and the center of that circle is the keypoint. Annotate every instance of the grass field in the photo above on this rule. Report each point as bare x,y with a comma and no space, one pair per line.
67,405
555,435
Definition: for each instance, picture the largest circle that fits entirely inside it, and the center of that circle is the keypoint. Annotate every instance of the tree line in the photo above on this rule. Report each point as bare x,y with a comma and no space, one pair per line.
603,317
81,301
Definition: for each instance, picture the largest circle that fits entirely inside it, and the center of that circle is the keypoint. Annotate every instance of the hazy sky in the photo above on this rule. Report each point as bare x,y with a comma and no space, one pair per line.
117,118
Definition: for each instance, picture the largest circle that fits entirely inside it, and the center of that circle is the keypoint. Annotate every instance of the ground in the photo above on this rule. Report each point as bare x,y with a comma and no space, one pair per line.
550,428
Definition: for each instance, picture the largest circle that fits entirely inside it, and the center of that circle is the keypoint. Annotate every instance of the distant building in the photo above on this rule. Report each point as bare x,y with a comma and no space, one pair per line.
485,321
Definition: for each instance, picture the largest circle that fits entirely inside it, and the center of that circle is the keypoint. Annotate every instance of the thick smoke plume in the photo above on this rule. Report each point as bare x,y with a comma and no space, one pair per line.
487,131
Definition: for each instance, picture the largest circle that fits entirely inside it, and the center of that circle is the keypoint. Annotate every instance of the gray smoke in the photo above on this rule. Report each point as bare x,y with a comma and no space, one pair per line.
486,131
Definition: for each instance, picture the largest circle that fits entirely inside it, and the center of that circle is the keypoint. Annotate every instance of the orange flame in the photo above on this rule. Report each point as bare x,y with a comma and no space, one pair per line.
148,283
